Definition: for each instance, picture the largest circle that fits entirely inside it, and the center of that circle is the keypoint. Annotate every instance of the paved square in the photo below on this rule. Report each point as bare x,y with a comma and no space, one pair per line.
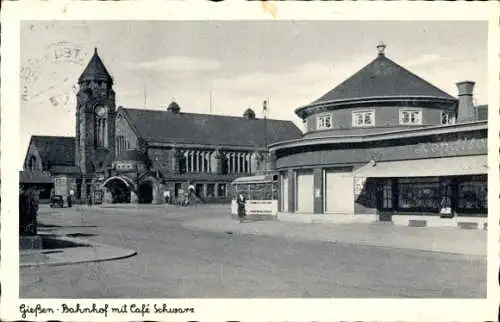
174,261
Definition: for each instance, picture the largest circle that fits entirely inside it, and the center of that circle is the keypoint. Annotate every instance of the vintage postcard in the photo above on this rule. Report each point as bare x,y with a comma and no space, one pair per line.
246,162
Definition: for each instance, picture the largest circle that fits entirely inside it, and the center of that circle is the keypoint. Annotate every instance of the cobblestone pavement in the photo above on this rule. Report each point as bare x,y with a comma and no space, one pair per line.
175,261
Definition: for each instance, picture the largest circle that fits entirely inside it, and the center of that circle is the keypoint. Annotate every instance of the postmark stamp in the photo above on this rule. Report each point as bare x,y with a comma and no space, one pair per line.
55,57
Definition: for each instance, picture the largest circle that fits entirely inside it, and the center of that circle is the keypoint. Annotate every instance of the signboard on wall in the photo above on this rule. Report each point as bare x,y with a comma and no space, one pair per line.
257,207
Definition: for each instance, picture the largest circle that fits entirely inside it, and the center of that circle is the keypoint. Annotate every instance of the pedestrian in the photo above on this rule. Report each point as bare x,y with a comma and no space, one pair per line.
70,202
191,192
70,198
241,207
166,194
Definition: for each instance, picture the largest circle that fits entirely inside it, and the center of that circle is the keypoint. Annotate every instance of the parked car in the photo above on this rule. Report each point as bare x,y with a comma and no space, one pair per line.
57,201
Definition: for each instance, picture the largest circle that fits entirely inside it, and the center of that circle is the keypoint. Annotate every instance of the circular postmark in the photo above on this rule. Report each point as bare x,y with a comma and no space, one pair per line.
48,77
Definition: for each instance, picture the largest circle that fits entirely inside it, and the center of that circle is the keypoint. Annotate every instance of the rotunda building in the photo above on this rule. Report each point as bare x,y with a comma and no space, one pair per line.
387,145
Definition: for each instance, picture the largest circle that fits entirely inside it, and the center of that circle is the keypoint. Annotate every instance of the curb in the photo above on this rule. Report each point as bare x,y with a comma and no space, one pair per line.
404,221
121,253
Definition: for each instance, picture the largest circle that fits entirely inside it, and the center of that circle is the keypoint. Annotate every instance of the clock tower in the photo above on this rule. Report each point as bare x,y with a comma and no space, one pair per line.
95,120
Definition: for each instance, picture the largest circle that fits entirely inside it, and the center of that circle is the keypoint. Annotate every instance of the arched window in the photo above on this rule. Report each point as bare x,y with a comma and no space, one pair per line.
32,164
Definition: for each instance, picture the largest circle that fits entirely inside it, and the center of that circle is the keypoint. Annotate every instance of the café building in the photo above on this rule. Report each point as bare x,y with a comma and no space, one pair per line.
386,145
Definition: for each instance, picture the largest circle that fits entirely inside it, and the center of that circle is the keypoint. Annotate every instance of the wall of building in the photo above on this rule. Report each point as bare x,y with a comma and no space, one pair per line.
63,184
460,144
123,129
162,157
385,116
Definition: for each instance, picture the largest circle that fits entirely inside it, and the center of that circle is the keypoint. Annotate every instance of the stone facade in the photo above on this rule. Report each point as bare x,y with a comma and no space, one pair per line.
127,155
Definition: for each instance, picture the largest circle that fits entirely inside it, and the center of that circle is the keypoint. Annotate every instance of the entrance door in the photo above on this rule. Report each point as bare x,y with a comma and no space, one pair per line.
339,192
385,199
146,192
305,193
284,193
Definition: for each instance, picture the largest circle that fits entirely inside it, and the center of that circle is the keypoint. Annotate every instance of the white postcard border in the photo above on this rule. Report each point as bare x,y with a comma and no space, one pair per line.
258,309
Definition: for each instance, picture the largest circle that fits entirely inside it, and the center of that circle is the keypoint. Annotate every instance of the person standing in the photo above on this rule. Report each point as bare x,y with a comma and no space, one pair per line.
70,199
166,195
241,207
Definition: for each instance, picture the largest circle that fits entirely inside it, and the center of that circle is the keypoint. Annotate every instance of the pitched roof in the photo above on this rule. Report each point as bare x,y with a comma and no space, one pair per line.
207,129
55,150
382,77
95,70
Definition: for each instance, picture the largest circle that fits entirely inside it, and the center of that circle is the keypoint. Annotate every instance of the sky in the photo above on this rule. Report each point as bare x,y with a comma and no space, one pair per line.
236,63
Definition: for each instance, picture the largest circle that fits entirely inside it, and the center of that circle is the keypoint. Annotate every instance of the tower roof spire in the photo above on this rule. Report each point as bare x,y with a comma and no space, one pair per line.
95,70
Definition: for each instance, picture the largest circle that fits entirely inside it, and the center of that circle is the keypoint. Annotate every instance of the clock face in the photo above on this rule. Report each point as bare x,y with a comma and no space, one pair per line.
100,110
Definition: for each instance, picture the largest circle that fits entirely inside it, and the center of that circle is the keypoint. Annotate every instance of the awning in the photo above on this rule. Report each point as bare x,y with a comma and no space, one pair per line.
254,179
454,166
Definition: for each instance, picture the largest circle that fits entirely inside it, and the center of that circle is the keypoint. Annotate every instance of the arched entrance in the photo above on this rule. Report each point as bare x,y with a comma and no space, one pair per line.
119,188
146,192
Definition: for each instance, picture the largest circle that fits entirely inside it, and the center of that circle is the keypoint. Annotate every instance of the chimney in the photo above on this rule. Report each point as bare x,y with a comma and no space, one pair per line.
465,102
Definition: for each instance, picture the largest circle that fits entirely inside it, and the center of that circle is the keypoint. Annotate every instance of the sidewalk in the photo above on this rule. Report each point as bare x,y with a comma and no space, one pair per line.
90,252
447,240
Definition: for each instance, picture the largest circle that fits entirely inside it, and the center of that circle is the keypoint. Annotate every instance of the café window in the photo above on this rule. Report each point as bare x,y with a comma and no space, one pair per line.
324,122
410,117
447,118
363,118
473,195
422,194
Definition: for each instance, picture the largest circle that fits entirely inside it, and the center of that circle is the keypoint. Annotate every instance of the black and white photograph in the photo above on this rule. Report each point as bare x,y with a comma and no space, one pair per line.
197,159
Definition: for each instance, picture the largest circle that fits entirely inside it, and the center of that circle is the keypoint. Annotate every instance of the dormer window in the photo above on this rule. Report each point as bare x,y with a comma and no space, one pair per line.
410,117
363,118
447,118
324,121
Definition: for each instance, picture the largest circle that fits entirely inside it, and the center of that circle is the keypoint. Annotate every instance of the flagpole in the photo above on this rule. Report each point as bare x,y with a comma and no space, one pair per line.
264,110
211,105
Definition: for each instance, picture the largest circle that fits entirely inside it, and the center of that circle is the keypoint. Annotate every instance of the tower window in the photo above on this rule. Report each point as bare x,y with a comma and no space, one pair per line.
120,144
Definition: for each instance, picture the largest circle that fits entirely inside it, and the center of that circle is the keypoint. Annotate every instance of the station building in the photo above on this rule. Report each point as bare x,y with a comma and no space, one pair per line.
122,155
386,145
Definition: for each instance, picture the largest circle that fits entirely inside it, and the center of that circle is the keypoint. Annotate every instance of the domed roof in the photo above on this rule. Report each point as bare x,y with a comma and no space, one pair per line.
381,79
132,155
